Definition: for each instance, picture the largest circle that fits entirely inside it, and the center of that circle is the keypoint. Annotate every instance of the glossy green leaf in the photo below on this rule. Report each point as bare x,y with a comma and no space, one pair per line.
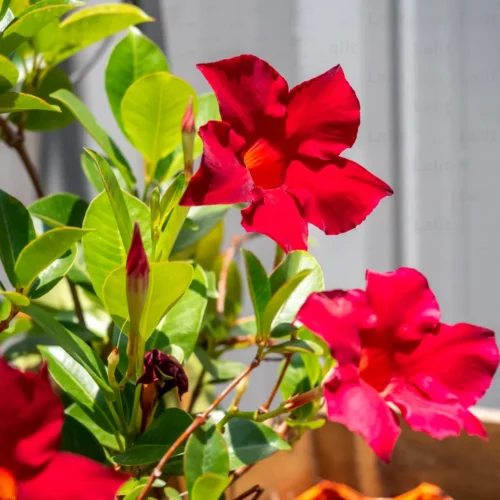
258,285
167,282
133,57
278,300
298,345
51,80
152,111
98,424
206,452
160,435
201,220
76,438
85,117
249,442
6,19
171,198
173,227
12,102
209,487
91,24
103,248
32,20
53,273
297,380
72,345
74,380
320,345
221,370
16,230
60,209
172,494
294,263
115,195
44,250
8,74
15,298
183,322
4,7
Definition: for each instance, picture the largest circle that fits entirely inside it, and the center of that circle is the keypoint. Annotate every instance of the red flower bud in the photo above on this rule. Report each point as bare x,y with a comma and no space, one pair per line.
137,264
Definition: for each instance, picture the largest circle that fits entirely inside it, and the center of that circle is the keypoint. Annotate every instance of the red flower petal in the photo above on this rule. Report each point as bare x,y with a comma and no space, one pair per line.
359,407
439,419
251,94
336,196
276,214
31,418
335,317
69,476
322,116
403,302
221,178
470,356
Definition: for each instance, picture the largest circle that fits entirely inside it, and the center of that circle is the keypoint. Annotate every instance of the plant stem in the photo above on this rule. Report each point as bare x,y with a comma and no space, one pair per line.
197,390
15,140
4,324
265,407
197,422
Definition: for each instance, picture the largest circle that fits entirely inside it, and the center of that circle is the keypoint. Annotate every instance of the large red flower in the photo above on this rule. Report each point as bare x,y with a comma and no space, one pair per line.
31,465
392,348
279,150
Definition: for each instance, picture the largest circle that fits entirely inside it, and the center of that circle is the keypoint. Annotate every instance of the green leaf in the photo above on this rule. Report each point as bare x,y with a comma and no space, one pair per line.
294,263
171,231
32,20
206,452
44,250
85,117
258,285
4,7
201,220
209,487
15,298
103,248
278,300
167,282
171,198
133,57
8,74
74,346
76,438
152,111
249,442
101,427
16,231
115,195
160,435
51,80
291,346
61,209
74,379
53,273
221,370
91,24
11,102
172,494
310,425
183,322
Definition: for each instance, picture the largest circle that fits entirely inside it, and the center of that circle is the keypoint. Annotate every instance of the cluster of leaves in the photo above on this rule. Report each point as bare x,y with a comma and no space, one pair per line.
62,244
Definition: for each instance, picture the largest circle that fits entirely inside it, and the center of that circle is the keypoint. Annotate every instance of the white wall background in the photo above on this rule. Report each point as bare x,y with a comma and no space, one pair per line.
427,73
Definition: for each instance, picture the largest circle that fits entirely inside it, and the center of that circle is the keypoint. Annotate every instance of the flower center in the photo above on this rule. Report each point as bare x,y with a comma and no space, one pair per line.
8,488
265,164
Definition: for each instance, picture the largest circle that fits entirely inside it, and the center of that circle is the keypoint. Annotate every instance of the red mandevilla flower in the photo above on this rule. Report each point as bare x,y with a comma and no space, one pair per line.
31,465
392,348
279,150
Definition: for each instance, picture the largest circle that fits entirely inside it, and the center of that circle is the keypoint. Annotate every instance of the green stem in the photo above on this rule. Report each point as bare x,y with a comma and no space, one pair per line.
115,416
132,428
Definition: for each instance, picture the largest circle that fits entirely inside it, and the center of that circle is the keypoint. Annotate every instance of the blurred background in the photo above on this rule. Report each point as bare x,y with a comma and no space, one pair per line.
427,73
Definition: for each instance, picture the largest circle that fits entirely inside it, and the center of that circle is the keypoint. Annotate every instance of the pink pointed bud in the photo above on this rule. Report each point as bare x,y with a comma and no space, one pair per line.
188,136
137,292
187,123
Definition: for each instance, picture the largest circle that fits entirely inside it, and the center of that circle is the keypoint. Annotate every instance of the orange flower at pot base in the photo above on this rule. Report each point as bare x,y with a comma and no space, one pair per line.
327,490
